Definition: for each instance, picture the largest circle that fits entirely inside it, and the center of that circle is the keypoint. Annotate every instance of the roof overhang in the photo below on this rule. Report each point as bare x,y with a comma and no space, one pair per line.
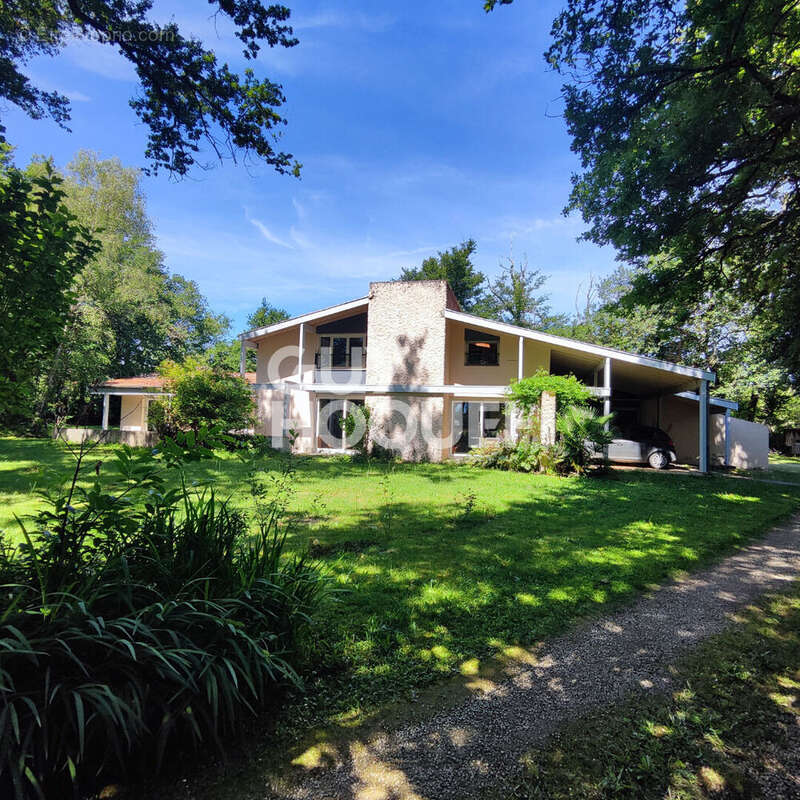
314,316
562,342
130,391
721,402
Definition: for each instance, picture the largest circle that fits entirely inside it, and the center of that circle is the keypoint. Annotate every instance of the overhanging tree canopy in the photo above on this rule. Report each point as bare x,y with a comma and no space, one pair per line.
187,96
686,118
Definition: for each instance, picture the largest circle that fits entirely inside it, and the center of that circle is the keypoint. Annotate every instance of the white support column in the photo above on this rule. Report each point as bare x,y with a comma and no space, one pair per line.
243,359
105,411
703,459
607,389
301,351
727,437
521,359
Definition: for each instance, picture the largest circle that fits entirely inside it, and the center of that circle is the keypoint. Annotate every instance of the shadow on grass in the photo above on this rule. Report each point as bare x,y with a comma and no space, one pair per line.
432,583
730,727
431,590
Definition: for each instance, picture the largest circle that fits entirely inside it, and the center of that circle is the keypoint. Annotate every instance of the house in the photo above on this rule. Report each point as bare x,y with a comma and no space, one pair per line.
435,378
126,402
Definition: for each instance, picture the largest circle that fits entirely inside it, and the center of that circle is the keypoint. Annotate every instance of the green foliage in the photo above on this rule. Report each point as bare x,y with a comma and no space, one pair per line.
415,607
42,248
521,455
201,395
128,313
266,314
512,297
137,619
356,426
583,434
527,393
151,313
720,332
454,266
684,116
225,356
186,96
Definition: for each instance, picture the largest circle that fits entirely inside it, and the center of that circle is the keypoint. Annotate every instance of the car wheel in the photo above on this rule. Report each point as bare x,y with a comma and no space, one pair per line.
658,459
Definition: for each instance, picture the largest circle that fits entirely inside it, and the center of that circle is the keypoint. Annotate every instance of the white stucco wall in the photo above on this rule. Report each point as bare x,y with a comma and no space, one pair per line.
133,413
749,444
407,343
536,356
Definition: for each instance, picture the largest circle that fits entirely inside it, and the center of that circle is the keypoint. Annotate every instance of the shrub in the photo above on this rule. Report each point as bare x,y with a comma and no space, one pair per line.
519,456
138,618
526,394
202,395
583,434
356,426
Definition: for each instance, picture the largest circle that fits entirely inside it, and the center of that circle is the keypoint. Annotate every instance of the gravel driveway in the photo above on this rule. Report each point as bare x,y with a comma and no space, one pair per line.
474,745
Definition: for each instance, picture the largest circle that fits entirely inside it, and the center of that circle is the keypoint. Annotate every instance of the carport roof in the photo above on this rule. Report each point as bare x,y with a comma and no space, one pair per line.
576,346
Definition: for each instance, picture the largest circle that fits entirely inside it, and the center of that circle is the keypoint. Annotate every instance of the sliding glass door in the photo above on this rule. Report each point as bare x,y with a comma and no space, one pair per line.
331,412
474,421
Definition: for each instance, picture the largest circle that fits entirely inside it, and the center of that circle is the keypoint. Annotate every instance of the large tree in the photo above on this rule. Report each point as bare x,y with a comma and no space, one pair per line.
187,96
152,314
128,312
455,266
686,118
513,296
719,331
42,248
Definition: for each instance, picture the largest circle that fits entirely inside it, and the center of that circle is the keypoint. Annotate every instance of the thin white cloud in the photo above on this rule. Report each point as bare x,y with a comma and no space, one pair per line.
101,59
266,232
299,208
415,252
48,85
369,23
300,239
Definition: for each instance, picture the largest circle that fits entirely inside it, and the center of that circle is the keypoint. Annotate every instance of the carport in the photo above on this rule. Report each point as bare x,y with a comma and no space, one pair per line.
646,391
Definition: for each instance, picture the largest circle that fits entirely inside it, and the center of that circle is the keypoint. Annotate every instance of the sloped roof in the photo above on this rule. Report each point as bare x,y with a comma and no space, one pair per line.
152,382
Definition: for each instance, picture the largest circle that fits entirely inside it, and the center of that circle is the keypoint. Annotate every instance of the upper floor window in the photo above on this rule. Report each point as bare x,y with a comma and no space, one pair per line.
481,349
341,352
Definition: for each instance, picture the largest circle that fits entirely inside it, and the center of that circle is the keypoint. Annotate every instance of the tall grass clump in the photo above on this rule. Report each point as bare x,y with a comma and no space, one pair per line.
136,619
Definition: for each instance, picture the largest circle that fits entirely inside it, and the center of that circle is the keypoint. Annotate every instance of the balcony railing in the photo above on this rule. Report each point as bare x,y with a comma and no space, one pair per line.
340,375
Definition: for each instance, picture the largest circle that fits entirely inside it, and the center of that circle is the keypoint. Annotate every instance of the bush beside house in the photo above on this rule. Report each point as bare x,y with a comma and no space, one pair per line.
201,395
581,431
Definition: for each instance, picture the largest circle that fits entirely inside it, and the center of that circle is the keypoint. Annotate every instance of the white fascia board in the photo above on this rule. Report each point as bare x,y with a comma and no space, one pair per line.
575,344
141,392
388,388
257,333
714,401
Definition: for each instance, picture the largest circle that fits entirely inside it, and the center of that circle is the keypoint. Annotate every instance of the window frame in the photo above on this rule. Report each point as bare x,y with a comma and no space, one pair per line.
464,411
325,352
481,349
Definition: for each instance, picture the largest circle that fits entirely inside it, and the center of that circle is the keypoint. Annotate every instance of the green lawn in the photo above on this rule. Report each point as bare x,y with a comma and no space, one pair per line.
781,468
440,565
785,468
728,730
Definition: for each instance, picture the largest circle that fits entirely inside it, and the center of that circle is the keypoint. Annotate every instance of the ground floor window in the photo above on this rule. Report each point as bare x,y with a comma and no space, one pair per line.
331,412
474,421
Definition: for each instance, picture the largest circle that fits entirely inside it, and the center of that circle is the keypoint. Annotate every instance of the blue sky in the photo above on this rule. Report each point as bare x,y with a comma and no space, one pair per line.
418,125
